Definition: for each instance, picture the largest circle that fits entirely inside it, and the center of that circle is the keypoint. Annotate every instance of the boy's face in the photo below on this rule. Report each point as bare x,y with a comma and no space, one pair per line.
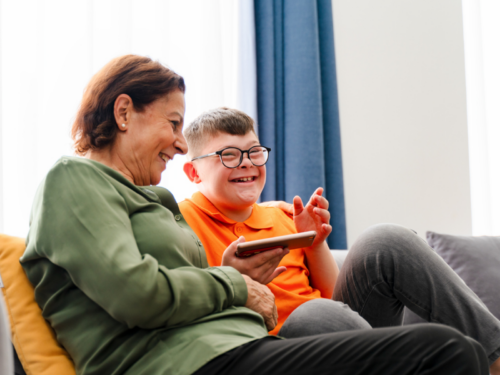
223,186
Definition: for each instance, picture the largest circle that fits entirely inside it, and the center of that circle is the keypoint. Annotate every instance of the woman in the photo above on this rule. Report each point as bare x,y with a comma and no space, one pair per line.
121,277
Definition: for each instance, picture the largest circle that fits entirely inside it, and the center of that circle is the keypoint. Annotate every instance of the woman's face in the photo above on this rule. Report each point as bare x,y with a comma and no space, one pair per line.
152,138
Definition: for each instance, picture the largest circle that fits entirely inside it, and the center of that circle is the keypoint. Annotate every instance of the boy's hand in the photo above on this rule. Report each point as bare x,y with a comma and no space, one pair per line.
260,267
314,216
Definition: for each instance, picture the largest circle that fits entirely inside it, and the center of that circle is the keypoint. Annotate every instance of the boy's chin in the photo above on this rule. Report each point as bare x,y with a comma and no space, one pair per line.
247,200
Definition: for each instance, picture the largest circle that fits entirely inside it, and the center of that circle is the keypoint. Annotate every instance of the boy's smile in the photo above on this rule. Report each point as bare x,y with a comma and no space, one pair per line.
232,190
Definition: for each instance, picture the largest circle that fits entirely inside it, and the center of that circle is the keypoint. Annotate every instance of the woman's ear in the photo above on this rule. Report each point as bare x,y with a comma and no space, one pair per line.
122,111
191,172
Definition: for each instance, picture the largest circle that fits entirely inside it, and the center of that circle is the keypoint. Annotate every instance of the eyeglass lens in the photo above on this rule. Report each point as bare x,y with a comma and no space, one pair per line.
231,157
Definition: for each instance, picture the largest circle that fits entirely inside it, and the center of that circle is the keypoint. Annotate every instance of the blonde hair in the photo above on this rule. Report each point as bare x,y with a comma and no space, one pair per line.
213,122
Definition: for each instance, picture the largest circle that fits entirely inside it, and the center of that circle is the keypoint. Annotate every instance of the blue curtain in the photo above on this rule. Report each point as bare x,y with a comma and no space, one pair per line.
298,114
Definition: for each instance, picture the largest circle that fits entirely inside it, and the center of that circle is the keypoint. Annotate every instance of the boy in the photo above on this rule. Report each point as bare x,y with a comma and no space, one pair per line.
224,212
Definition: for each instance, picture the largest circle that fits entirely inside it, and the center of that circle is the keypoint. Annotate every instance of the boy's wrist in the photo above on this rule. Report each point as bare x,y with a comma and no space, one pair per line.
319,247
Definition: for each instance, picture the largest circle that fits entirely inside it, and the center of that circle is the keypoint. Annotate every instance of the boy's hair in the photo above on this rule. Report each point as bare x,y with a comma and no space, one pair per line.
213,122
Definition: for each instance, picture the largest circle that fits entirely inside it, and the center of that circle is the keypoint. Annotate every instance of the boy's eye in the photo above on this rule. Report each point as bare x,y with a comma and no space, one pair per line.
231,154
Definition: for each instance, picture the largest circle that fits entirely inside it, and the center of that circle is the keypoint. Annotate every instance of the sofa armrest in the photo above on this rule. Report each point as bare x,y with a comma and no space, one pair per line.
339,256
6,364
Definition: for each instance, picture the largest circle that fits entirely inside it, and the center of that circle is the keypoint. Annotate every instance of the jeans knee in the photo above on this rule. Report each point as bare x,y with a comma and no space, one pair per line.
441,335
386,238
322,316
449,347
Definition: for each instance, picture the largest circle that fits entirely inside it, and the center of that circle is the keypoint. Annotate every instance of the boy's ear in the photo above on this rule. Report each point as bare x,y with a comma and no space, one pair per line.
191,172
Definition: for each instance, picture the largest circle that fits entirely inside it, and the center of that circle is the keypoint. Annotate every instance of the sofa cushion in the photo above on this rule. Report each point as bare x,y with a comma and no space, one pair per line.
476,260
339,256
33,338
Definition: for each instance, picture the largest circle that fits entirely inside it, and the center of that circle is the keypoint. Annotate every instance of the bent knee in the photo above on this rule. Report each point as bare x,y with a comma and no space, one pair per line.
450,345
439,334
322,316
386,238
388,232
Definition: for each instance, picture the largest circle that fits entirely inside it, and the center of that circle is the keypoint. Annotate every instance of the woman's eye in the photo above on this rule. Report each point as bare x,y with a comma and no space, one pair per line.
175,124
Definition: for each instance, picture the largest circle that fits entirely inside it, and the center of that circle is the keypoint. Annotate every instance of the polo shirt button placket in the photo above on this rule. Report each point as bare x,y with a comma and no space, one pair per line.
238,229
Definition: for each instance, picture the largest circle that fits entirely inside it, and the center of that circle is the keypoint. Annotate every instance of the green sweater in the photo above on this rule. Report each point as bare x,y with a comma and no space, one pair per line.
123,280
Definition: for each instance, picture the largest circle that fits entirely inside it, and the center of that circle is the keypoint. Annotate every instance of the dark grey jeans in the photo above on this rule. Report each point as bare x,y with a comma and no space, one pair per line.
429,349
387,268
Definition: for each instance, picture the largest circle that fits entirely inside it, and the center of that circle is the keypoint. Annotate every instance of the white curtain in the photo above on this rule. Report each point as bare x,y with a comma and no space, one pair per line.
51,48
482,67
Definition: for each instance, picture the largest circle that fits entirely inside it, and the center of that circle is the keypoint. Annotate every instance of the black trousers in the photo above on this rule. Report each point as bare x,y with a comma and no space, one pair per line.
417,349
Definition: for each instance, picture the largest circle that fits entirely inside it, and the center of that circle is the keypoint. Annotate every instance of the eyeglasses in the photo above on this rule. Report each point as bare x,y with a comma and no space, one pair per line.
232,157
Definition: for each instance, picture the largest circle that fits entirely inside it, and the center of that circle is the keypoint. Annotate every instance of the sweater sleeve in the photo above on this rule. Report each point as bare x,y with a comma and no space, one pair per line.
81,223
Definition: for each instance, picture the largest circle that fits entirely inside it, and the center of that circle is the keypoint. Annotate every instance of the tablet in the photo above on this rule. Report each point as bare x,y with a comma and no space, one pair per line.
292,241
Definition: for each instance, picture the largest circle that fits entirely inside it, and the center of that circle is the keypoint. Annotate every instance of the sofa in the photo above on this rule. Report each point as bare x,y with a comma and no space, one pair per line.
36,352
6,352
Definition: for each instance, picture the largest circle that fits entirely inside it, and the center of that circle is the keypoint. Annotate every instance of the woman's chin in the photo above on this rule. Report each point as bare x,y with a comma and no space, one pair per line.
155,178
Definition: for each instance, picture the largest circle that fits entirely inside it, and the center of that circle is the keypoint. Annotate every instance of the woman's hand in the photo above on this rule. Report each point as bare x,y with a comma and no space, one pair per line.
260,267
261,300
314,216
283,206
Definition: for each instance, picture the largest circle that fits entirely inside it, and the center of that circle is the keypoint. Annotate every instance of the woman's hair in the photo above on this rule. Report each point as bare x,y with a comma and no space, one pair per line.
141,78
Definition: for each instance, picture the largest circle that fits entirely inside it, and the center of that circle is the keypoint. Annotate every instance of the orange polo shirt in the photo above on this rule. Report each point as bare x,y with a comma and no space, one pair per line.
216,232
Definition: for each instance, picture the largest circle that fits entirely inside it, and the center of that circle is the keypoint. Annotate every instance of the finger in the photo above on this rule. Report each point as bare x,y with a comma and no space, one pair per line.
316,193
231,249
275,315
286,207
323,214
278,271
267,256
272,320
265,272
298,206
319,191
236,242
321,202
327,229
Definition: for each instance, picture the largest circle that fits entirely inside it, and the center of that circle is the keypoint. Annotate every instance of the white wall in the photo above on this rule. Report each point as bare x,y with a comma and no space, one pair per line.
49,49
401,79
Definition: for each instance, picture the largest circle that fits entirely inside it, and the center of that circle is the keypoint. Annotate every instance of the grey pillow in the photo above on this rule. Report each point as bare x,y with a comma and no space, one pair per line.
477,262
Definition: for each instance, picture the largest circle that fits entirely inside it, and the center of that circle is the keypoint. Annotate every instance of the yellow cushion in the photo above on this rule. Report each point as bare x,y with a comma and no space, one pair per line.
33,338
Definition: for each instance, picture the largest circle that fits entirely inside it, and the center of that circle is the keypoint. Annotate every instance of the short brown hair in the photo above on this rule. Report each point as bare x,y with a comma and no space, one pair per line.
141,78
210,123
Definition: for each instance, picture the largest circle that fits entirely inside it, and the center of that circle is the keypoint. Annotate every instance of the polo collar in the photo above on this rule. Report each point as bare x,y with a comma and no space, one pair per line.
258,220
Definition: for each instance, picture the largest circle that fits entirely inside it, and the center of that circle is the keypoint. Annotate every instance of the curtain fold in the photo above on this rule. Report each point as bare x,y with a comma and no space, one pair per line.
482,77
297,104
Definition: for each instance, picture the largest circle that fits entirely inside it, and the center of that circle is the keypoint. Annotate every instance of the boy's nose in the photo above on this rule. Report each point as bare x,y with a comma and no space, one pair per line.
246,161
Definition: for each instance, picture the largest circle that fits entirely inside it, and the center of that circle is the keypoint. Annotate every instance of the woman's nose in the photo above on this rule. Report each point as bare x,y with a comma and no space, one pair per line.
181,145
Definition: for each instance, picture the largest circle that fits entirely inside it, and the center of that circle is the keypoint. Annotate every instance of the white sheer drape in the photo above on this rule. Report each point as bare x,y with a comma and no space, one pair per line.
51,48
482,66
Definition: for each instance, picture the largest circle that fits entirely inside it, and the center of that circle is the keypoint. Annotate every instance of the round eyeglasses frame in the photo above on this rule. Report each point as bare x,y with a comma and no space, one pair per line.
219,153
